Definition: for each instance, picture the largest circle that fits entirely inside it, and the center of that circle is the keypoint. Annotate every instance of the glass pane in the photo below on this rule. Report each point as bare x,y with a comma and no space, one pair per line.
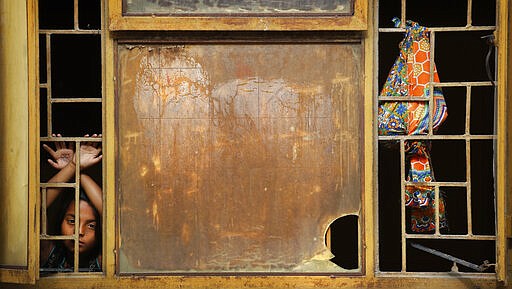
238,6
448,160
230,160
76,65
438,12
484,12
482,110
55,14
456,206
390,249
42,58
76,119
452,63
455,123
474,252
482,187
89,14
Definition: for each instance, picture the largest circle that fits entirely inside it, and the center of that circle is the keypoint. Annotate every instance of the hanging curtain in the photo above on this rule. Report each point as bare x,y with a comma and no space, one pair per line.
409,77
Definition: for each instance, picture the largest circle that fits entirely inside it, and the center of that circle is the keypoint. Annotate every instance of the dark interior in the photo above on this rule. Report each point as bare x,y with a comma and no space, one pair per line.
459,56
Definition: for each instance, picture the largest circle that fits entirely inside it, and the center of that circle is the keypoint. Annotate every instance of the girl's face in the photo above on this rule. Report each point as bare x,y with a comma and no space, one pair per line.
86,229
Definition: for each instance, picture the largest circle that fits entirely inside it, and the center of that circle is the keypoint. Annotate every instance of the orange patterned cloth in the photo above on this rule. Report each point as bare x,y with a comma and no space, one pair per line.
410,77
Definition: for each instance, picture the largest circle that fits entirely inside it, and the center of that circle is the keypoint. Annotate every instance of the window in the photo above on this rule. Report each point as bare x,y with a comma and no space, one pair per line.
460,204
243,149
247,7
70,66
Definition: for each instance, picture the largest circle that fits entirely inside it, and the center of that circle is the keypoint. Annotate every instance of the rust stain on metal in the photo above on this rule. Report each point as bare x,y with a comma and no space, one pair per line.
243,153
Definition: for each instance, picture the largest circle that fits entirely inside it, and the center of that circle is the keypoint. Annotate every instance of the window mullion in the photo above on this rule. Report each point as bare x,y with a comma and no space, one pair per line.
77,208
402,205
49,85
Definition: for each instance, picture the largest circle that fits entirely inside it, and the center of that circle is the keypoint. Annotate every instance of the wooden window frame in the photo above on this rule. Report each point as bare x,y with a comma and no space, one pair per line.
119,22
499,138
110,279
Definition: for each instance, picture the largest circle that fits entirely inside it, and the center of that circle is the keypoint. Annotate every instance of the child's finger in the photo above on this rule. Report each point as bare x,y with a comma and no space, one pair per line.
53,164
48,149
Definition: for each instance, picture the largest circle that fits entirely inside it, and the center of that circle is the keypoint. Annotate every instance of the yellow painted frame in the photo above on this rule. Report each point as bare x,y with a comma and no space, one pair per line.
119,22
20,144
109,278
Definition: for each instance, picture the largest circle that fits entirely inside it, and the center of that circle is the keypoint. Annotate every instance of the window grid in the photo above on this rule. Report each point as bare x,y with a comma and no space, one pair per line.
467,137
50,100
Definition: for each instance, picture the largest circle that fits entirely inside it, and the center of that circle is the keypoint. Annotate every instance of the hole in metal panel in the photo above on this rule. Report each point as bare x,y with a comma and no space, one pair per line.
345,241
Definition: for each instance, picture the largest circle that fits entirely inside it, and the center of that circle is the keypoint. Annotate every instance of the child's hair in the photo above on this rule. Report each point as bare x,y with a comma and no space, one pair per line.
61,204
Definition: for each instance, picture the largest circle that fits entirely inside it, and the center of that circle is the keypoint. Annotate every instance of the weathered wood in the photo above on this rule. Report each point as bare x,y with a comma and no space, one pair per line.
237,157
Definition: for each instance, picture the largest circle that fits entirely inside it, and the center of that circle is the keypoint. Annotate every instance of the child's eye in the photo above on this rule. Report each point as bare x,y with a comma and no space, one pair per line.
71,221
92,226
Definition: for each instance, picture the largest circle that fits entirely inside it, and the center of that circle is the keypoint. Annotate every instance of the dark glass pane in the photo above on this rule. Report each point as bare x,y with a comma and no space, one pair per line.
89,14
482,110
482,186
460,56
438,12
475,252
455,98
484,12
388,53
390,248
387,11
76,66
76,119
43,113
456,210
56,14
42,58
189,7
449,160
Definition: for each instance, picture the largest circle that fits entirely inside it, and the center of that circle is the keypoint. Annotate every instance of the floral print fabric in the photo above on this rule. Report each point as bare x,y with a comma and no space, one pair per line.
409,77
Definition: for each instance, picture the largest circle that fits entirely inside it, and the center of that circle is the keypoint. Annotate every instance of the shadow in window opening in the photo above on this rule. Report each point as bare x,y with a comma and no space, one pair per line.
345,241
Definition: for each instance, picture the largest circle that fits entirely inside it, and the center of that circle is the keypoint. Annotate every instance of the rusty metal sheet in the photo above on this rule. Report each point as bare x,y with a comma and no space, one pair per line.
238,6
236,157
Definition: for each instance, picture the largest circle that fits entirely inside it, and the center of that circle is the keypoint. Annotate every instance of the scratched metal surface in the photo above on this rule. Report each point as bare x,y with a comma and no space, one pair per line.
236,157
238,6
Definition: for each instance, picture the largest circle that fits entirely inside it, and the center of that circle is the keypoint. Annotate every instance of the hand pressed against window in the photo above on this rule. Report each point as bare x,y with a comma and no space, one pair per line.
57,255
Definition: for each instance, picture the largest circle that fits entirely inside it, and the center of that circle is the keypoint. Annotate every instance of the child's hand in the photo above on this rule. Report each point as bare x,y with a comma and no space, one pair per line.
62,155
90,153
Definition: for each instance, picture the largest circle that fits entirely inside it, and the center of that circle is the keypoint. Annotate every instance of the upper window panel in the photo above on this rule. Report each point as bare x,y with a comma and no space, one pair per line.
238,15
242,7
